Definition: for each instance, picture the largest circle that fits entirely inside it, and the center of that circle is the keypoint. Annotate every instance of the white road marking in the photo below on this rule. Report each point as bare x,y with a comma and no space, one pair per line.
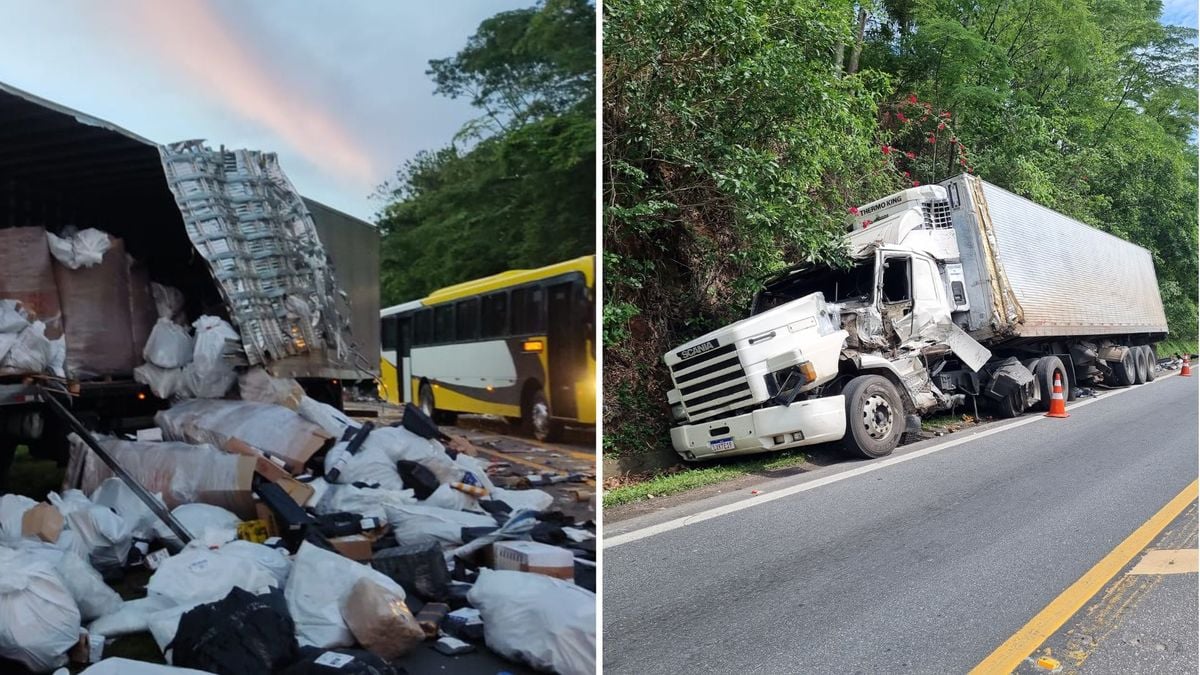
676,523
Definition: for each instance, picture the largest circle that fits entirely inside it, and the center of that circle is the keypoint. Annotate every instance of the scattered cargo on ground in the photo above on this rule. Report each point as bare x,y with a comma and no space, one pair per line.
173,327
959,296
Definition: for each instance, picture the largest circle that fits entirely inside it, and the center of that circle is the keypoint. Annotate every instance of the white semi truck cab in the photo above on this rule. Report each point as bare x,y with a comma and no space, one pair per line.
859,353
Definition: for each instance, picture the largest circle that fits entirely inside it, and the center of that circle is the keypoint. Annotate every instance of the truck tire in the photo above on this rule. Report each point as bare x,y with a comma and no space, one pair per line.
874,416
541,424
1151,363
1140,365
1124,372
1043,372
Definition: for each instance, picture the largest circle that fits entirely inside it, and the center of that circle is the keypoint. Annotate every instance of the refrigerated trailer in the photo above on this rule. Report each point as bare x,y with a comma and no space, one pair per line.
61,167
957,294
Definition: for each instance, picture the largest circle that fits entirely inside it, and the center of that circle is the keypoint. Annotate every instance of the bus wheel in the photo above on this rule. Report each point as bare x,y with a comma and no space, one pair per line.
544,427
427,405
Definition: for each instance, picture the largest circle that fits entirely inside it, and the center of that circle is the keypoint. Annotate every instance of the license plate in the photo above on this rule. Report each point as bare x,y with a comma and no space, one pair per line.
721,444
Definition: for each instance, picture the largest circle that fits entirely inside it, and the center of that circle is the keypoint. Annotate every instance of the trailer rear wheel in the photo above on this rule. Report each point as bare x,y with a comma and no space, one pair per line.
1043,373
1124,372
874,416
1140,365
1151,363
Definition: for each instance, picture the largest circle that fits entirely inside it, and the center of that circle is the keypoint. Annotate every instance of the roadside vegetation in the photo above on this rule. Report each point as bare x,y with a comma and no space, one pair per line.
515,188
738,135
666,482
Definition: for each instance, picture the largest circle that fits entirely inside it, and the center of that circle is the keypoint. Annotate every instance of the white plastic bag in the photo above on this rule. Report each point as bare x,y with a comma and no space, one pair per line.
107,536
12,510
93,597
446,497
164,382
209,375
196,575
29,352
329,418
271,559
85,248
169,345
545,622
116,495
367,502
39,621
13,318
320,581
413,521
119,666
519,500
369,465
198,519
131,617
168,302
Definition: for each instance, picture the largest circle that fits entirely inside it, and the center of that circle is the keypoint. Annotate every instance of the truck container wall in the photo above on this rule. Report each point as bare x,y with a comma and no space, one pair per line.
1034,272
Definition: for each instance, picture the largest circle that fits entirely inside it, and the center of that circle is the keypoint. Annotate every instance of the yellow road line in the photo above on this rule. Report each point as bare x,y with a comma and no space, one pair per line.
1012,653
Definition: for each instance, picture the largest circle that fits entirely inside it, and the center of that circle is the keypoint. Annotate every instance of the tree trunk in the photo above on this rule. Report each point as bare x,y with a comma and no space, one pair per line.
858,41
839,56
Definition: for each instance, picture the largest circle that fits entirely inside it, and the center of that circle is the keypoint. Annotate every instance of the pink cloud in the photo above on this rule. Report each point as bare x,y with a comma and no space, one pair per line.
189,36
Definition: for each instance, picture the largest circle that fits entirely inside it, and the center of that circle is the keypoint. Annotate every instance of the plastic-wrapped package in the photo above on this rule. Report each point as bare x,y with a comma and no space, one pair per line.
95,311
545,622
169,345
258,385
519,500
141,306
365,501
369,465
92,596
446,497
180,472
85,248
320,581
241,633
13,317
116,495
27,352
39,621
209,374
380,620
12,510
107,536
273,560
196,575
417,565
133,616
414,521
168,302
271,428
199,519
27,274
477,467
164,382
329,418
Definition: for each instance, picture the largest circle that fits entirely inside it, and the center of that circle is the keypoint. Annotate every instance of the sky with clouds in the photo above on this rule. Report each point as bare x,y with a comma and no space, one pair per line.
338,89
1179,13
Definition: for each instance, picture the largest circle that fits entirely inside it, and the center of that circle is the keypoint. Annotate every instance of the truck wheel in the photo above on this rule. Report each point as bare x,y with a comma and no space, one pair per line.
874,416
1124,372
1043,373
543,426
429,406
1151,363
1140,366
1010,406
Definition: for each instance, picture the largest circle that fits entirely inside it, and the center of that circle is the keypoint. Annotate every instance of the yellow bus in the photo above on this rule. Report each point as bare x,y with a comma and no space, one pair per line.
519,344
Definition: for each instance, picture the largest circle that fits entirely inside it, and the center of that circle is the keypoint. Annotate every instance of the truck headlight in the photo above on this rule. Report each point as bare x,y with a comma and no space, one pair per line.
677,413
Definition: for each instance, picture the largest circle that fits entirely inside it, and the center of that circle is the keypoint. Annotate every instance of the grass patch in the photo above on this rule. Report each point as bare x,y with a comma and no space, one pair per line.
32,477
939,422
1175,345
674,482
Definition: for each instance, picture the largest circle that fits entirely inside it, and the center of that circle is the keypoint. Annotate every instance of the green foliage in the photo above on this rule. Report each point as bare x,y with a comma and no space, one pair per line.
523,195
675,482
736,137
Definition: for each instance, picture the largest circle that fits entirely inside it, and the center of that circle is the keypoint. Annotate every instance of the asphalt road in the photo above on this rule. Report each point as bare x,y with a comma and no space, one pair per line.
920,566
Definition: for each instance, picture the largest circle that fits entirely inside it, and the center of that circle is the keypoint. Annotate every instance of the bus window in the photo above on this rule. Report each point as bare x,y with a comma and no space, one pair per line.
467,319
495,315
528,306
391,334
443,323
423,327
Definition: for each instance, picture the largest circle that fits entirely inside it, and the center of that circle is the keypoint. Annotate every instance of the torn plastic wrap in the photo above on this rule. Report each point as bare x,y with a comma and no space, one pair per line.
321,580
276,430
82,248
27,274
39,620
181,472
259,386
95,310
250,225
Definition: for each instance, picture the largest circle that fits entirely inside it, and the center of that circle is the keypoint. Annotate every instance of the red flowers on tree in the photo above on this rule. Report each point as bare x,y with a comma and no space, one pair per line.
887,149
912,98
854,210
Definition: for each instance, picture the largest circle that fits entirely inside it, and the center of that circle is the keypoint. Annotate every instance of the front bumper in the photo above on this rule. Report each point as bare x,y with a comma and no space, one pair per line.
818,420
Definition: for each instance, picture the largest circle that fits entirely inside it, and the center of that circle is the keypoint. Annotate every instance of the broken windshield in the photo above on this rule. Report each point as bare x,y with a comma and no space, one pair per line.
837,285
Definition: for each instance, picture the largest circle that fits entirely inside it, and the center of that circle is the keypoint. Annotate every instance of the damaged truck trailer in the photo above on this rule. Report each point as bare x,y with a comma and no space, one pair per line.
297,279
959,296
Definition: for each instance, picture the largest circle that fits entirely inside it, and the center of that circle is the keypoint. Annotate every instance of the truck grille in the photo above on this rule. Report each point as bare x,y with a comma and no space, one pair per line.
712,383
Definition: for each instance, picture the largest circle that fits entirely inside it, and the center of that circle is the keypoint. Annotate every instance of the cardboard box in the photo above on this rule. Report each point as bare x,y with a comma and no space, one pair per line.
354,546
263,512
299,492
276,431
43,521
536,557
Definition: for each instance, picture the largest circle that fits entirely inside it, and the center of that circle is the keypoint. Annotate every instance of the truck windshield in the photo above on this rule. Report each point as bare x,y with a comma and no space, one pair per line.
837,285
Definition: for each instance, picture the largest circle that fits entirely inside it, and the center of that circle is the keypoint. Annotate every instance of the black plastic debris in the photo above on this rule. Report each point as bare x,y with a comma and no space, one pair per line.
417,478
318,661
242,633
418,566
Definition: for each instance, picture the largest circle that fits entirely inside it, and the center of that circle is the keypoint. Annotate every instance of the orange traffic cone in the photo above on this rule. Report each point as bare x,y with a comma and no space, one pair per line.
1058,407
1187,369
